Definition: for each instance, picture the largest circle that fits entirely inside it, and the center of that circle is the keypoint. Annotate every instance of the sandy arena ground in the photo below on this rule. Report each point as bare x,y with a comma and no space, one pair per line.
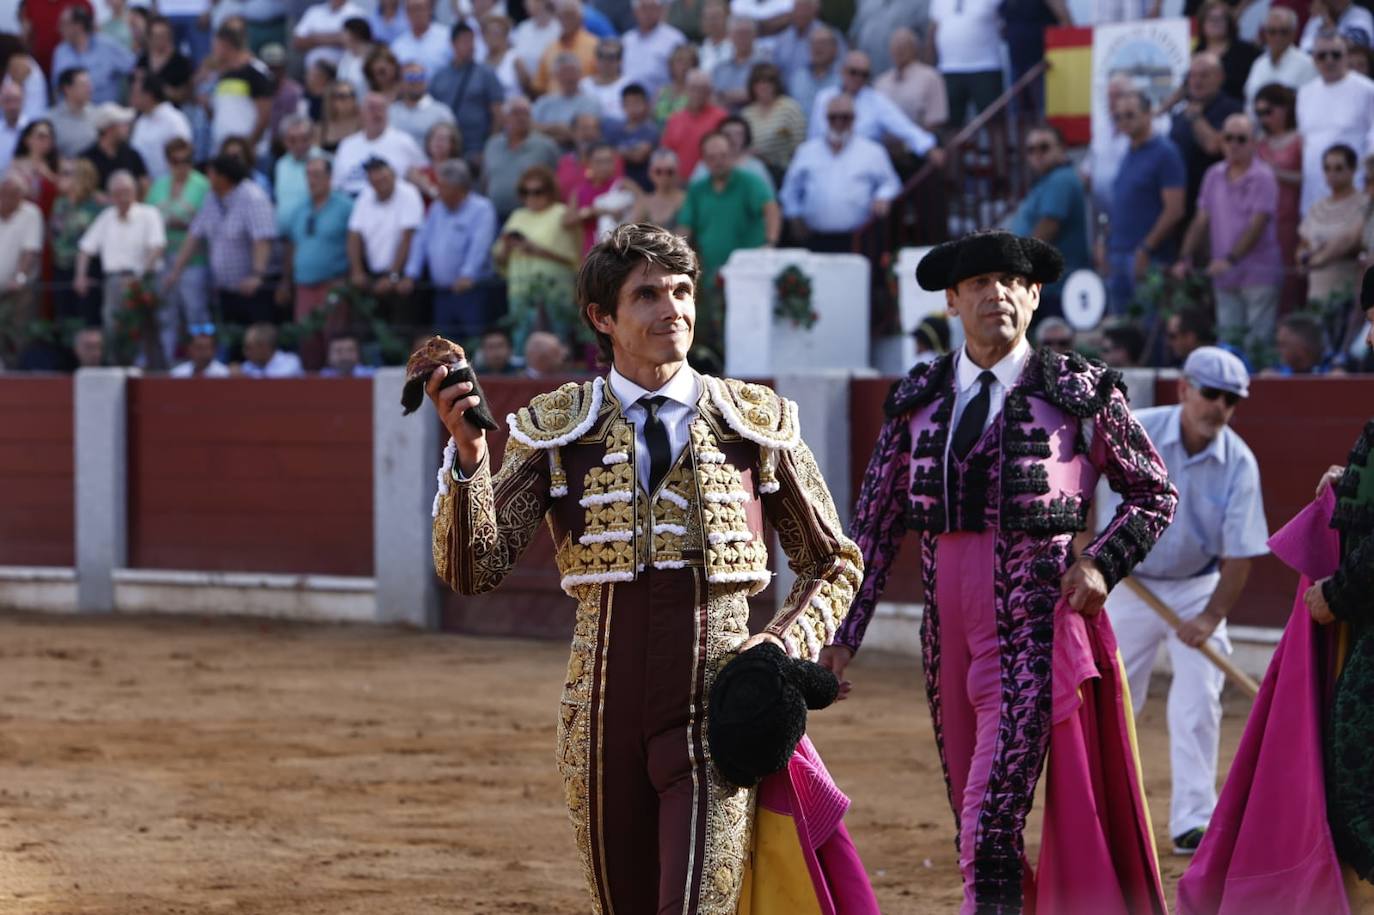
188,766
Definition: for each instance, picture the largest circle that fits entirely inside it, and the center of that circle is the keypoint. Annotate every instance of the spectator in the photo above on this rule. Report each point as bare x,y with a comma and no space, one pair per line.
345,359
509,154
685,130
21,69
288,175
606,84
1122,346
73,118
736,130
453,249
545,355
715,43
555,111
601,199
672,98
35,160
573,165
1055,210
41,23
287,96
472,91
1360,59
1186,330
124,24
1235,212
495,355
381,230
108,62
875,21
1302,349
237,224
316,234
501,57
178,197
318,79
965,41
572,39
72,213
12,121
876,117
159,122
916,88
661,205
822,73
88,346
1024,24
342,116
242,101
238,148
1329,237
262,359
730,77
415,112
634,136
792,46
1196,128
1109,147
358,46
442,143
539,256
1055,334
1336,109
164,60
111,151
648,45
1345,18
129,239
532,37
1282,62
932,338
835,185
383,72
201,355
1147,203
1218,36
776,122
387,22
320,32
1280,148
424,41
729,210
21,250
377,140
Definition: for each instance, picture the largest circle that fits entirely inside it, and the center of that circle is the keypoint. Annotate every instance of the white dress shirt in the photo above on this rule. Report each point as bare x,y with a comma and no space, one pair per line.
683,391
125,244
875,116
646,55
966,373
834,191
1294,70
281,365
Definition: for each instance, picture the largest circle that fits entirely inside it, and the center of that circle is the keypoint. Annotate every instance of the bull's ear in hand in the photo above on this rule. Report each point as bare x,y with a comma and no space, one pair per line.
437,351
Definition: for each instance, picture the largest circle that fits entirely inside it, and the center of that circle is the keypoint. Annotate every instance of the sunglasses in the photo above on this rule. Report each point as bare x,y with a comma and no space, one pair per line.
532,192
1328,55
855,71
1038,149
1237,139
1211,393
840,118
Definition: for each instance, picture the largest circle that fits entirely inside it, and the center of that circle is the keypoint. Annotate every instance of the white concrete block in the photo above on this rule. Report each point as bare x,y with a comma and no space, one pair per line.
102,514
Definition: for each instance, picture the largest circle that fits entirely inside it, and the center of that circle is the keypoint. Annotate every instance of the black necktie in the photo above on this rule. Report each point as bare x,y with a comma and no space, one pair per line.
970,427
656,437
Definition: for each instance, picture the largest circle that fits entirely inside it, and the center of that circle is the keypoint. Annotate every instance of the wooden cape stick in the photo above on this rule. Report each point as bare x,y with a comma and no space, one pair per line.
1234,673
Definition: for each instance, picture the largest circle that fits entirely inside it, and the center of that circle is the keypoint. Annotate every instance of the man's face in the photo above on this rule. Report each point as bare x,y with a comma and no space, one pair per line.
201,351
418,15
568,74
122,194
451,193
1330,57
608,59
1238,141
824,47
742,38
994,308
544,353
383,181
718,156
317,178
713,20
79,92
648,14
374,115
1204,78
734,132
655,317
1181,342
11,102
1042,151
698,91
258,348
343,355
298,141
603,165
839,118
413,82
70,31
496,352
1278,33
518,120
636,108
1294,351
160,38
854,74
1130,118
89,346
464,47
1205,410
569,19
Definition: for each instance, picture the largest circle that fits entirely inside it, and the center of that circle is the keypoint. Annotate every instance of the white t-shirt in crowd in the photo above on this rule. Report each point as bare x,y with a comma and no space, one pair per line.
968,35
281,365
23,231
530,40
125,245
1331,113
1356,24
646,56
395,146
323,19
608,95
152,132
380,223
215,369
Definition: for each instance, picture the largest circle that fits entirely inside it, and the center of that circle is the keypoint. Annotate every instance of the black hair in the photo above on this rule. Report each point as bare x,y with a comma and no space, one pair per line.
1127,337
607,266
459,28
231,168
68,76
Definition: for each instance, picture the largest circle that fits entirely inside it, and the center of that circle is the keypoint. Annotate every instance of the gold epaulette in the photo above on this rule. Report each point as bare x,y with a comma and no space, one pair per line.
559,417
757,413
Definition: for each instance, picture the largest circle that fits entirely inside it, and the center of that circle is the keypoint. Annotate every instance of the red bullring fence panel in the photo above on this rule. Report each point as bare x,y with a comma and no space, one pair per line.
242,475
37,484
866,397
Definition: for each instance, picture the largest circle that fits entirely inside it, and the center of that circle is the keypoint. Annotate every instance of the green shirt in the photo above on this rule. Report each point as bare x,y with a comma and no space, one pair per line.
721,221
177,212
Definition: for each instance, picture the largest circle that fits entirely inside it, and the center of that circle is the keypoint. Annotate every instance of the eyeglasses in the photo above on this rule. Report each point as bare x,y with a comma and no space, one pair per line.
1328,55
856,71
1237,139
840,118
1263,111
1211,393
1038,149
532,192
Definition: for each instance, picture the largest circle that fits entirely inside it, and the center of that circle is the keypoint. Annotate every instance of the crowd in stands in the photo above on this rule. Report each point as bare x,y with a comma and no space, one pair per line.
270,187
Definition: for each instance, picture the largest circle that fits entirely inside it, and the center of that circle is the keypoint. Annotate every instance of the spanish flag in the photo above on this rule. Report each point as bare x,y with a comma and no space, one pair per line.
1069,82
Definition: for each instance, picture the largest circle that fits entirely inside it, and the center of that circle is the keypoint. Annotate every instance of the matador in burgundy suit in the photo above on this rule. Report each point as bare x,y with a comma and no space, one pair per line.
656,498
991,454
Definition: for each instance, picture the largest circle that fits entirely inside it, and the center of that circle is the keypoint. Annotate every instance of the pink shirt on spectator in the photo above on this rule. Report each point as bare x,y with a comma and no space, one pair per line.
1230,205
684,130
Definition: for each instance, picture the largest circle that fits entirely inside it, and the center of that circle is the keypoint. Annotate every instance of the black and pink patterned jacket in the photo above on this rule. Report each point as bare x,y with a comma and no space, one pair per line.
1063,425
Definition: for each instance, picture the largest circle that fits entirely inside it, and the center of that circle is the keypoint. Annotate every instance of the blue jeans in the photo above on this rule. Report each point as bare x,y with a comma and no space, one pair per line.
1120,282
462,316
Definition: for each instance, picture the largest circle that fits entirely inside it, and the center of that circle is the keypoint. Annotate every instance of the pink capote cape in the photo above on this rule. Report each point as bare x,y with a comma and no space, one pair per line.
1268,849
1097,852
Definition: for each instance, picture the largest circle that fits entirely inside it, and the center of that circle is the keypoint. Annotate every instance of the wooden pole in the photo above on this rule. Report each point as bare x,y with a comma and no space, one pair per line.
1233,673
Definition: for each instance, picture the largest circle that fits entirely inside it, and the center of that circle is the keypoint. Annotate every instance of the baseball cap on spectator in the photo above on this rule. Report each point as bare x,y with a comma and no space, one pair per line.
273,54
1214,367
108,114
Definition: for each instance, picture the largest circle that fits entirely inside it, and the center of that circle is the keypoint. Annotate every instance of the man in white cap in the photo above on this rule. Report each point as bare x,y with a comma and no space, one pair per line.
1199,568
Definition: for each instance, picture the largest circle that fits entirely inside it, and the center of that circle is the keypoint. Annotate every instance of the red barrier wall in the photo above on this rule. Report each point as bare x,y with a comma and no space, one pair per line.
247,475
866,396
37,486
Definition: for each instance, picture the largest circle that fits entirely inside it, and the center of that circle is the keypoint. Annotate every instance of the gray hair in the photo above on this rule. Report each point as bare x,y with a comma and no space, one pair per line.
1049,324
742,20
567,57
121,176
1289,17
454,171
292,121
663,154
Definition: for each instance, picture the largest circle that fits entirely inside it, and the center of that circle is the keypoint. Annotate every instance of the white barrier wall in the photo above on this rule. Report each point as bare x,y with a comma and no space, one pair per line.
757,343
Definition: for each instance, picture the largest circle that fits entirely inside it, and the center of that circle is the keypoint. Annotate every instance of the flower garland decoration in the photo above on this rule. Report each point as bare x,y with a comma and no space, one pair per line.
136,325
792,298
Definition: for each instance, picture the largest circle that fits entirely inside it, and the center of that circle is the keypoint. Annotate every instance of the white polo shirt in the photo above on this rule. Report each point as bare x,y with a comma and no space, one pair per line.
381,223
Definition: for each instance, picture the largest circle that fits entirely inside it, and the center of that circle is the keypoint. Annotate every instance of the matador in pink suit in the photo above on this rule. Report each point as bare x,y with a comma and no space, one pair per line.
992,454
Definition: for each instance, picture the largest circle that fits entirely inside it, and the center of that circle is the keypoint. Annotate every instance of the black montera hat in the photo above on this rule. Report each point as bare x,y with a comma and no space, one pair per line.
992,251
758,711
